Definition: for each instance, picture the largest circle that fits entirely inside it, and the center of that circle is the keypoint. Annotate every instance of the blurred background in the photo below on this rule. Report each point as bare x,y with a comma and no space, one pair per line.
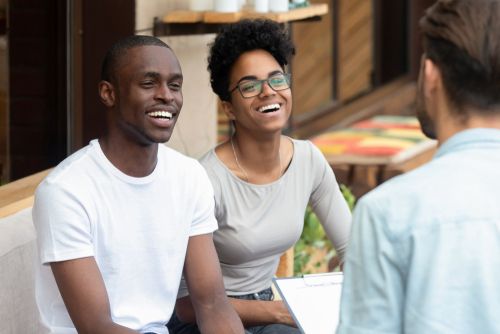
357,60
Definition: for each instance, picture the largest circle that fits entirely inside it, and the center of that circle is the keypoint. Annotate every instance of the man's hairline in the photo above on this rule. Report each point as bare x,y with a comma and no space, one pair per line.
112,78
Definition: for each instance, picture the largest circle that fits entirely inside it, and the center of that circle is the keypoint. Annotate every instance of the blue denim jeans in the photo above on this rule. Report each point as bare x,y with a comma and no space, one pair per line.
175,326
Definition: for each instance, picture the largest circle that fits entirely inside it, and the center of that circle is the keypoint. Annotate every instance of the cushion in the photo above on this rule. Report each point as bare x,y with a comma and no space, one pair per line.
18,310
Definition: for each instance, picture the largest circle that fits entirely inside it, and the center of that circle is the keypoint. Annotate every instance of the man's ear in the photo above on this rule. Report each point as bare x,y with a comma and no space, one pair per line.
433,80
107,93
227,107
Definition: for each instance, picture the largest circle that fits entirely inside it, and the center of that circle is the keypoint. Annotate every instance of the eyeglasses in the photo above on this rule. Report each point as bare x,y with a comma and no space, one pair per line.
253,87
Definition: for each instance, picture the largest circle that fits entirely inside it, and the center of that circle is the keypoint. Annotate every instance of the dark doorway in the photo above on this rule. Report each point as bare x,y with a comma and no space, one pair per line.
391,40
37,79
55,49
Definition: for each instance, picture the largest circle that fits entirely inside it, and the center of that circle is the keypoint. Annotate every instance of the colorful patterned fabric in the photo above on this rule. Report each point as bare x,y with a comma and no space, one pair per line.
379,140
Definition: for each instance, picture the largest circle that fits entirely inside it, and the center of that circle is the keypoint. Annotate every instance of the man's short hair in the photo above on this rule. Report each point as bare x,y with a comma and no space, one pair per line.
462,37
118,49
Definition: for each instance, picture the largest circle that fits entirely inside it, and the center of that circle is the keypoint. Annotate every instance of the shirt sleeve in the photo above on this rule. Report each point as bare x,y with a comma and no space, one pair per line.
329,204
204,218
62,225
373,289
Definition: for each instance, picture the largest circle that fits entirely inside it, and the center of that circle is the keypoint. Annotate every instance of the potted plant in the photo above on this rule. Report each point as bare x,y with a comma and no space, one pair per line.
313,252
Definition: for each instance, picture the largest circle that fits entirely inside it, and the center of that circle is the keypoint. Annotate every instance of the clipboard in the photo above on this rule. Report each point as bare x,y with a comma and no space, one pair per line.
313,300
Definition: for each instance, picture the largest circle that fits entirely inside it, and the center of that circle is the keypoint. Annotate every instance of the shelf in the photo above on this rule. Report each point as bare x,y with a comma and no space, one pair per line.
190,22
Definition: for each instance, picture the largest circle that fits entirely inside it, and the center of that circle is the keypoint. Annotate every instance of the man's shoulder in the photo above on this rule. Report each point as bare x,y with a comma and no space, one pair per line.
69,179
71,169
408,197
415,182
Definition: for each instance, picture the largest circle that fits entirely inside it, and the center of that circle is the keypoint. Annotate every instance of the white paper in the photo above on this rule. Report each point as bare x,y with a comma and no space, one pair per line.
313,301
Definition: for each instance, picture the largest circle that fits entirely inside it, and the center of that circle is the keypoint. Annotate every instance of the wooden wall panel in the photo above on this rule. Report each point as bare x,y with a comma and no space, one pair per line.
355,48
312,66
319,78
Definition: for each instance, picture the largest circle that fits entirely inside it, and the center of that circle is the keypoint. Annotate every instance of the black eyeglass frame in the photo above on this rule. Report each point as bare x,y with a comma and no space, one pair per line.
287,78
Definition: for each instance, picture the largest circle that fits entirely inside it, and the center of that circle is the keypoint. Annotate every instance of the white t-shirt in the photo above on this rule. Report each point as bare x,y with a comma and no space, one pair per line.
137,230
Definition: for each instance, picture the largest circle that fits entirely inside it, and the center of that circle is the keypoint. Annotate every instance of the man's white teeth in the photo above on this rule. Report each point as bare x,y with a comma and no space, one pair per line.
161,114
269,108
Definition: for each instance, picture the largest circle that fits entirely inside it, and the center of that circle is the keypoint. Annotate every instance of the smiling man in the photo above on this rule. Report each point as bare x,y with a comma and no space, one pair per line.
118,220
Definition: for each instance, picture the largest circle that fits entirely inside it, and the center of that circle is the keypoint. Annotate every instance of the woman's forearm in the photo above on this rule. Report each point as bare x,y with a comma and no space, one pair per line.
251,312
261,312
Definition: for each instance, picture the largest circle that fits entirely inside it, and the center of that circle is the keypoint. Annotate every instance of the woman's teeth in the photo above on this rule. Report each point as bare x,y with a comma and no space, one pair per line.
269,108
161,114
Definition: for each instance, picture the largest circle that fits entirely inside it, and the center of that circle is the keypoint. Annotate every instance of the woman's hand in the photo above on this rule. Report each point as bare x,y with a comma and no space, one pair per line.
262,312
282,316
251,312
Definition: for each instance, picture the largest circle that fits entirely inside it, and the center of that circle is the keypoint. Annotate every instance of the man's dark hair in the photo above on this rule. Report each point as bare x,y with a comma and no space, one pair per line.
240,37
117,50
462,37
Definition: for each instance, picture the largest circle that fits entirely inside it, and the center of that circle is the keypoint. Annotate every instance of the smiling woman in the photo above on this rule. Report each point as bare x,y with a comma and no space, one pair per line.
263,181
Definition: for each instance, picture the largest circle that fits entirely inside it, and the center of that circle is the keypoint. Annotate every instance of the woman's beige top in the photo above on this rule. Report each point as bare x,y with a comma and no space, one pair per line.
257,223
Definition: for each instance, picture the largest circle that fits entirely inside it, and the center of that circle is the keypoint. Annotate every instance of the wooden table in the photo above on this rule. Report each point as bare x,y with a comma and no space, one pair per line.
371,151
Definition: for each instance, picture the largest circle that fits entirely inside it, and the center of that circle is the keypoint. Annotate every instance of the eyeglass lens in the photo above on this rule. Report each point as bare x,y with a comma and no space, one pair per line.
252,88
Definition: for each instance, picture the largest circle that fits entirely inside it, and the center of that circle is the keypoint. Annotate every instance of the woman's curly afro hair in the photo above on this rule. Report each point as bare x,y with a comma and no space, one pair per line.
238,38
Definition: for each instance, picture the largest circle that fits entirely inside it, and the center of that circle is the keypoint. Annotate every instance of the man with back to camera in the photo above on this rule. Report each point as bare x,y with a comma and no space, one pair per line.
424,250
117,220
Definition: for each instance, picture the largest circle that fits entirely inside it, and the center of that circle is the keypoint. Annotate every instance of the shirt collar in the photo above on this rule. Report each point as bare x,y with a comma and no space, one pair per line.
470,137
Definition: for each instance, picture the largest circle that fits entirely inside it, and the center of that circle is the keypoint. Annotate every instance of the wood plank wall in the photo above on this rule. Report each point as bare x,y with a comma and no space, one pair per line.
355,51
312,66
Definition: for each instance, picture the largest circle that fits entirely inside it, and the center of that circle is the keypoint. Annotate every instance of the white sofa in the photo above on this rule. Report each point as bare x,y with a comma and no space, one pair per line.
18,257
18,311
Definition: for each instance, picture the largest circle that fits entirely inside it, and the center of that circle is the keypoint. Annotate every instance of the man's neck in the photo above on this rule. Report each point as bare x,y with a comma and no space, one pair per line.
131,158
492,122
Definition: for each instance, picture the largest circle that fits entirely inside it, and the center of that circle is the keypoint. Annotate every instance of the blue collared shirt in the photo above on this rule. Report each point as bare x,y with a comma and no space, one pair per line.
424,253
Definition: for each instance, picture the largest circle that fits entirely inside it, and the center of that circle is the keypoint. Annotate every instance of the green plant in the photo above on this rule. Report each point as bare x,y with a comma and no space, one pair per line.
348,196
314,239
